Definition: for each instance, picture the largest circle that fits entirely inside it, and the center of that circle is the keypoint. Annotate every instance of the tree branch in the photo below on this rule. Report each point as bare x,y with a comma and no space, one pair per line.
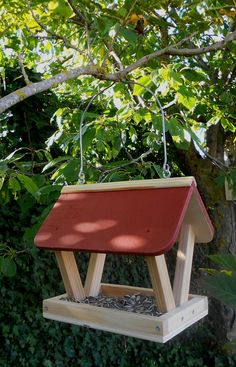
85,23
187,52
66,42
35,88
25,76
133,161
76,11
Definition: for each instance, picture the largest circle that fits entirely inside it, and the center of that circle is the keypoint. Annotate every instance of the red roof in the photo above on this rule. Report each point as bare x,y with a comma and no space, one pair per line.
146,221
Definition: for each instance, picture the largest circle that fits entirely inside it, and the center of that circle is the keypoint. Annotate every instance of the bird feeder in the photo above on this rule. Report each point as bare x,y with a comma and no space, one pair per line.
141,218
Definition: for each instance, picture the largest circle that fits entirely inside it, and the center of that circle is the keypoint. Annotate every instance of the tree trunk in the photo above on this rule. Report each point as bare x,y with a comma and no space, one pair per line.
223,216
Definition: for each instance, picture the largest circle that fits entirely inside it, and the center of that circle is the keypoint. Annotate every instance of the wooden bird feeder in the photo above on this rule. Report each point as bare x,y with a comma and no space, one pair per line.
142,218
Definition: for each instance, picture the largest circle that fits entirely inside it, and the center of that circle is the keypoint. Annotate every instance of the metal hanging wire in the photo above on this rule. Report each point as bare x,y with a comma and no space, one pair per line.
165,168
81,179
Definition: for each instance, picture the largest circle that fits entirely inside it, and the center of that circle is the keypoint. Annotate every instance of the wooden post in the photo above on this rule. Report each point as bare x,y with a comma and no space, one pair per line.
161,282
70,274
183,264
94,274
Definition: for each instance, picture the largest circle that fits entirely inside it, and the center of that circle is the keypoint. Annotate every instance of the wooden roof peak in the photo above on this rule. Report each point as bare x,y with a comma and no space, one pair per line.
135,217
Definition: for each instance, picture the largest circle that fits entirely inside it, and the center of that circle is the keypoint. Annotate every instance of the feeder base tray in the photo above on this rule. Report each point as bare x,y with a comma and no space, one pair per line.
154,328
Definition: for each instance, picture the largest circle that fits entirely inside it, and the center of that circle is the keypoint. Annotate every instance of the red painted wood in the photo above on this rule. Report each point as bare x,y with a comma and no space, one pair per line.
140,222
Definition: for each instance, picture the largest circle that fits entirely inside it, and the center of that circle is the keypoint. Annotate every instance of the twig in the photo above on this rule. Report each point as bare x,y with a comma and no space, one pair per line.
25,92
88,42
76,11
81,172
175,51
129,12
122,141
84,20
26,78
214,160
117,59
66,42
134,161
137,99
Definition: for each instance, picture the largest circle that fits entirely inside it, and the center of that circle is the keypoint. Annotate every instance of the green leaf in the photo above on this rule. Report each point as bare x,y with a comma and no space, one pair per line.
192,134
121,176
7,266
222,287
28,184
165,73
53,4
46,190
193,75
178,134
157,123
55,161
186,97
3,168
129,35
158,169
15,157
227,125
214,120
14,184
88,137
138,89
69,171
226,261
2,179
137,117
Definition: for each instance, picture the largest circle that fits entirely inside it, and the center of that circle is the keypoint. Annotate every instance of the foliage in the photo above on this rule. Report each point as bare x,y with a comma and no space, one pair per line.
29,340
222,283
104,49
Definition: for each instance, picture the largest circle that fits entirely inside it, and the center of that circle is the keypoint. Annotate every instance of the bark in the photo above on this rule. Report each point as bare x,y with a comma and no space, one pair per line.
99,73
223,216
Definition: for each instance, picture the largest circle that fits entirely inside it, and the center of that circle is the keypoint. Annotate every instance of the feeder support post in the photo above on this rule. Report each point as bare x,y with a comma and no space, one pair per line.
184,264
92,283
70,274
160,282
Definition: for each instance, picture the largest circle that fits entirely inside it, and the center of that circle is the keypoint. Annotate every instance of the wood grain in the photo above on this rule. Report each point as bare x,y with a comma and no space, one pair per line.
131,185
70,274
92,283
158,329
184,264
160,282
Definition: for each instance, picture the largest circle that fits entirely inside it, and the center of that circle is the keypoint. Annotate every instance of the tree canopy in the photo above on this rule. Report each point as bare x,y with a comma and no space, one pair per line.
182,51
107,72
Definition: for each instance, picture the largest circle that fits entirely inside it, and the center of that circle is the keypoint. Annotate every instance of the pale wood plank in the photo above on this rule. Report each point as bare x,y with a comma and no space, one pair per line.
184,264
159,329
129,185
183,316
113,320
118,290
70,274
92,283
161,282
196,215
